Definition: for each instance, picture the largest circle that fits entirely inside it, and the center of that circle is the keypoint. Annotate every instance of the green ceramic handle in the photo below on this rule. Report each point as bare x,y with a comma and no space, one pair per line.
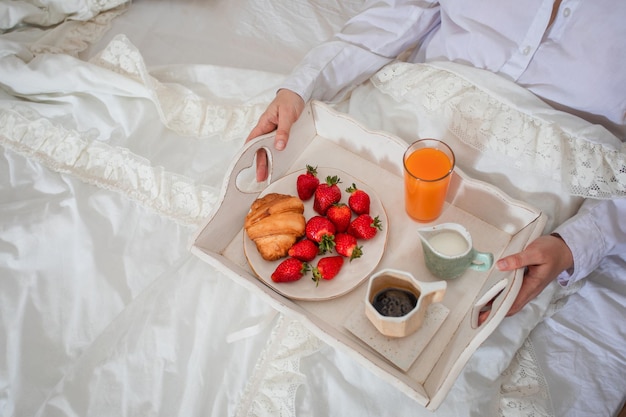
482,261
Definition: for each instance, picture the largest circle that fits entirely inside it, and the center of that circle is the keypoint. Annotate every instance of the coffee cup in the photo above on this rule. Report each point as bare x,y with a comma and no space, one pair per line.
449,252
396,302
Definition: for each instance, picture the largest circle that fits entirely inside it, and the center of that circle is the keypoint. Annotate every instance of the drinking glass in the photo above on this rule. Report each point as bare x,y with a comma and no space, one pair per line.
428,166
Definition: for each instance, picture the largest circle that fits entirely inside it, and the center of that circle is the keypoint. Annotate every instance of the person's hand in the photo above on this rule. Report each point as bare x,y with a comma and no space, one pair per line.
280,115
544,258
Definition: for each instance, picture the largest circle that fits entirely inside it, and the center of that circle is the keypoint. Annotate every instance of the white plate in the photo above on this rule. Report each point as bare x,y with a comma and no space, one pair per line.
352,273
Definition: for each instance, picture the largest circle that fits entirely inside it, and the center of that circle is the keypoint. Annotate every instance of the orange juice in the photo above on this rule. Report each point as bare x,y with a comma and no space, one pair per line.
427,169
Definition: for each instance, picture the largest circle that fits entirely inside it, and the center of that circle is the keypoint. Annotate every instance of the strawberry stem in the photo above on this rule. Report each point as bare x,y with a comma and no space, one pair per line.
351,189
332,180
327,244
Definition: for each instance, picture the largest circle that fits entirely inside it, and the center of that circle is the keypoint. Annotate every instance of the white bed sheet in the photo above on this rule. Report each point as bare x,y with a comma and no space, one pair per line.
115,143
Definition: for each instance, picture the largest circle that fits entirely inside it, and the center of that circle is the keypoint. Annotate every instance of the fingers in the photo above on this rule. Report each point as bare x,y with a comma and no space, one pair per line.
515,261
263,126
280,115
544,259
266,124
546,250
261,165
283,127
290,106
538,252
282,134
483,316
533,284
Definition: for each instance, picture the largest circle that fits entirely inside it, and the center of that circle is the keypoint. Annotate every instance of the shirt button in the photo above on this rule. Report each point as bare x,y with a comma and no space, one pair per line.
526,50
567,11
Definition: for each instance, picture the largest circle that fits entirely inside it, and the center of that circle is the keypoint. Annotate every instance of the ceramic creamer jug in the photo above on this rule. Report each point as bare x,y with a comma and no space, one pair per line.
448,251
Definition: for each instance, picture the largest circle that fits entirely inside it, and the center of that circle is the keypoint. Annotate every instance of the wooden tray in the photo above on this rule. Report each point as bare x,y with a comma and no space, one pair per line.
499,224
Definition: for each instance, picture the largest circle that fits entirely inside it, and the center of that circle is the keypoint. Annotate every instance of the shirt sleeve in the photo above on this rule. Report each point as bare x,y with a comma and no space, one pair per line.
367,42
592,234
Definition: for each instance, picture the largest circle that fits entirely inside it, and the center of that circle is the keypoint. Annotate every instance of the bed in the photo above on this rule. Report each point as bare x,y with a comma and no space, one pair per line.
118,122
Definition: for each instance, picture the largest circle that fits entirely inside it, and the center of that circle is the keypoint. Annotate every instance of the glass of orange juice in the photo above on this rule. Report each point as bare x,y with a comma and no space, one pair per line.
428,166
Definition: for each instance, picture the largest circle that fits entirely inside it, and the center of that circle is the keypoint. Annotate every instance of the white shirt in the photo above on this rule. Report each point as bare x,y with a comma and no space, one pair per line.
576,64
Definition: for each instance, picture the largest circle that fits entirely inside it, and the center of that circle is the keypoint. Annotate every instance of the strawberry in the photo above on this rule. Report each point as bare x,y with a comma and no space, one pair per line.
364,227
305,250
327,268
340,214
359,200
321,231
291,269
307,183
327,194
346,245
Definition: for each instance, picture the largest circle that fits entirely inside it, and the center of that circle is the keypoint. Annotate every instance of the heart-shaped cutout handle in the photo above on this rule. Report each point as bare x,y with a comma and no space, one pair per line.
245,179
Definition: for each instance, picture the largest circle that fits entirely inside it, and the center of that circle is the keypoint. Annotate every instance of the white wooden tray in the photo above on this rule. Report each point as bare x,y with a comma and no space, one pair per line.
499,224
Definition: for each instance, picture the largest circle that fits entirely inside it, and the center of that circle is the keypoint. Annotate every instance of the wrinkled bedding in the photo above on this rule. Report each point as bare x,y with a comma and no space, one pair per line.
118,122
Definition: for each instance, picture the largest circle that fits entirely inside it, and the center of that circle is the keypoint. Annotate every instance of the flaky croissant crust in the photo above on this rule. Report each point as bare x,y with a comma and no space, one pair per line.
274,223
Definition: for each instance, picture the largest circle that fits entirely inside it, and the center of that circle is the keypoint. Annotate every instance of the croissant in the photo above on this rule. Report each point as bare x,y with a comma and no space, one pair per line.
274,223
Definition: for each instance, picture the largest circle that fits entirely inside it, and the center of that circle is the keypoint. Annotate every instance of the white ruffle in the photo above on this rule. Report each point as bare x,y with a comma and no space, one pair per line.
54,12
117,168
60,27
271,391
110,167
74,36
180,109
588,163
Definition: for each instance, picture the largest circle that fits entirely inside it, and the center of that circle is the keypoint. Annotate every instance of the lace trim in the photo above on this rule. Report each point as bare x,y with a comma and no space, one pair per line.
74,36
271,391
179,108
524,391
109,167
479,119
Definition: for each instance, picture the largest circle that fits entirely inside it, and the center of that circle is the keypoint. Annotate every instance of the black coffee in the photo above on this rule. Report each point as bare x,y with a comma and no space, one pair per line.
394,302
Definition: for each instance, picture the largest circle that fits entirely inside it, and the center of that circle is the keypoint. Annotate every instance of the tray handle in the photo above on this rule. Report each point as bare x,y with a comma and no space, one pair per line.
240,187
490,303
243,170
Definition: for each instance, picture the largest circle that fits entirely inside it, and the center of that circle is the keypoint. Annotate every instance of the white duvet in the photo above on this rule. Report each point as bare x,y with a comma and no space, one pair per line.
117,125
